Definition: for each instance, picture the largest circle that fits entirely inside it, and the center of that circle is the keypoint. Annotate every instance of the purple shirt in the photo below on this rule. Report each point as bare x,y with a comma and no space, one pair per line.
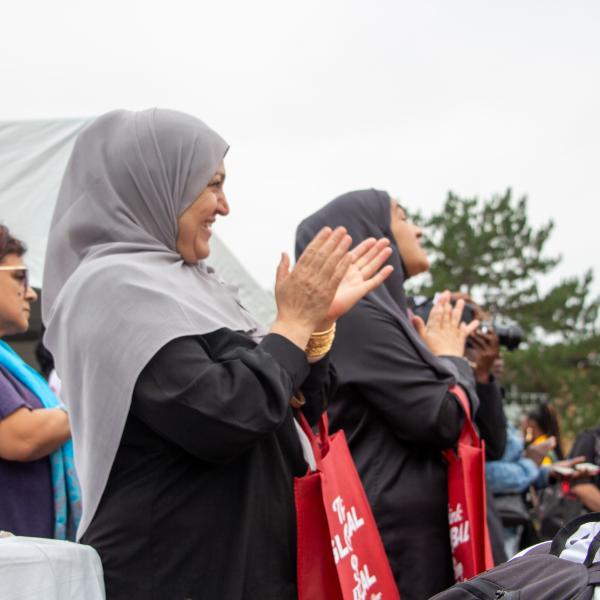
26,499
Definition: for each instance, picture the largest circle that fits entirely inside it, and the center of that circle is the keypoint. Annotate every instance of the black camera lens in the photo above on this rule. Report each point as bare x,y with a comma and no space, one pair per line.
510,335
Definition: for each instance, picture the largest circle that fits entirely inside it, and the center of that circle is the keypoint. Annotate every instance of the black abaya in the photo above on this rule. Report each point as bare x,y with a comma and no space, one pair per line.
199,503
398,415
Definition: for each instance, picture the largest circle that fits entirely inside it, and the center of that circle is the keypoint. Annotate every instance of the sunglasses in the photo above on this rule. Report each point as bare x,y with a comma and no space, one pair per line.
25,276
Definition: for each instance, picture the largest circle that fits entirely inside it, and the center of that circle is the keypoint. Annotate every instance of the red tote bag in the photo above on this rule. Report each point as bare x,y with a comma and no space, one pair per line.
340,553
469,536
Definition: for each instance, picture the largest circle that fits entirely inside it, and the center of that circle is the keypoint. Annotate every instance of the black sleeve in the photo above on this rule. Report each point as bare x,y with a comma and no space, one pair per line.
217,407
585,446
491,420
411,396
463,376
318,387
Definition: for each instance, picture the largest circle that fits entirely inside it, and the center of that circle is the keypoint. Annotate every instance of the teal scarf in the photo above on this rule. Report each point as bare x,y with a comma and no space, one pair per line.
67,495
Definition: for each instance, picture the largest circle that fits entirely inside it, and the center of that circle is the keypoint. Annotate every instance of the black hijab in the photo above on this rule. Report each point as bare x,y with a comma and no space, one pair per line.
367,213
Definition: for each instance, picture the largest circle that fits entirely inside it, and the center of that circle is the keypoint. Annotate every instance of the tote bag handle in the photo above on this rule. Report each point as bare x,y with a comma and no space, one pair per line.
319,443
468,434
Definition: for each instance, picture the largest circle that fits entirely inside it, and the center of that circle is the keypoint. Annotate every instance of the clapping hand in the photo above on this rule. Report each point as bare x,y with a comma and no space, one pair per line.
363,275
445,333
327,281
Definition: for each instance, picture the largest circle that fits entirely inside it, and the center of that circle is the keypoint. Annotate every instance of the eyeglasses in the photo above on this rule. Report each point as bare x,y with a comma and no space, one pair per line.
25,278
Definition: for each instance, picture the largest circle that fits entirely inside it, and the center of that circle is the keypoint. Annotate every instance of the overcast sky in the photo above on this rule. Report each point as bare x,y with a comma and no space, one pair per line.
319,98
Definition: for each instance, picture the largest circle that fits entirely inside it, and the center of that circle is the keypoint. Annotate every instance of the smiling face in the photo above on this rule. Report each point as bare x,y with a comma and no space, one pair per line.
195,222
15,300
408,239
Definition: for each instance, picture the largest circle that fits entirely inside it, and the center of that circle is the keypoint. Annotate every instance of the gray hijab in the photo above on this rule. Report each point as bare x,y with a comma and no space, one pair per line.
115,288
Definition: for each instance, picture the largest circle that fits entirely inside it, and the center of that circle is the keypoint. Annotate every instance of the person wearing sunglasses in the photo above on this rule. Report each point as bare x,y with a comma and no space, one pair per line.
39,495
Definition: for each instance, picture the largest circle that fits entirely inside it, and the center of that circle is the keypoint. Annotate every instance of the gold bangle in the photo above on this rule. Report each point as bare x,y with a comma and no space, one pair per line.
320,343
324,334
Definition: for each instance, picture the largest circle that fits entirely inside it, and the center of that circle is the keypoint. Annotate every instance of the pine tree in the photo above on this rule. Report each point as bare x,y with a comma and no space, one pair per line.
488,249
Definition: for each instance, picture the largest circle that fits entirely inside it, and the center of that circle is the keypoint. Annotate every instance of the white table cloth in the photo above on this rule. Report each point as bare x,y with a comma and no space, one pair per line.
41,569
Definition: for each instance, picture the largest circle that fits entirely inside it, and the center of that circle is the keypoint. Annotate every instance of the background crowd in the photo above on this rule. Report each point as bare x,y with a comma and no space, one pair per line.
182,407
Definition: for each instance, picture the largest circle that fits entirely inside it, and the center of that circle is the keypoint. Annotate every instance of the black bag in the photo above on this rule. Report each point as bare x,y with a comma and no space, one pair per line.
512,509
558,506
565,569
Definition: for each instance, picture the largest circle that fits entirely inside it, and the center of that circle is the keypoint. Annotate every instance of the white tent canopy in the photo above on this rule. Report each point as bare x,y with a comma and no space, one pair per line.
33,155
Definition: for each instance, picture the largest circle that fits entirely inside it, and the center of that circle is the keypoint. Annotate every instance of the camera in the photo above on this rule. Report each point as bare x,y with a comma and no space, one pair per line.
510,334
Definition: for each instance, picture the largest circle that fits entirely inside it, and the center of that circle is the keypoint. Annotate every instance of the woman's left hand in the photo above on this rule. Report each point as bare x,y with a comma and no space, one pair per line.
445,333
363,276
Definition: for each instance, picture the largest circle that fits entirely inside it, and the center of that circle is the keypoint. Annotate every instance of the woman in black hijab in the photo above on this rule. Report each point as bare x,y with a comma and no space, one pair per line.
393,400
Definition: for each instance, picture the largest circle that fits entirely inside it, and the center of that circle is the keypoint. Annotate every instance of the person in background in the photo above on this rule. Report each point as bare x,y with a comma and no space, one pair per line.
516,470
483,352
39,494
539,426
393,400
513,474
587,488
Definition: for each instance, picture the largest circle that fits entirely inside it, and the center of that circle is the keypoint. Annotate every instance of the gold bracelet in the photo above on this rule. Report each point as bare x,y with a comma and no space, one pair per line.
324,334
320,343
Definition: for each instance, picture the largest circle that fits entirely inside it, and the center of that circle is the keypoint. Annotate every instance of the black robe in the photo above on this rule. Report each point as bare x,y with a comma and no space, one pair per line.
398,415
490,419
199,503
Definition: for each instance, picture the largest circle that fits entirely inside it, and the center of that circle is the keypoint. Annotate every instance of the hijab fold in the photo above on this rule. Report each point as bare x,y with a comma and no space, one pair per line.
115,289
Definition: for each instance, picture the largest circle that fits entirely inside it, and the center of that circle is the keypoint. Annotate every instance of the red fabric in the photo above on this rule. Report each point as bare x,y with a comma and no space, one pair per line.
340,553
469,536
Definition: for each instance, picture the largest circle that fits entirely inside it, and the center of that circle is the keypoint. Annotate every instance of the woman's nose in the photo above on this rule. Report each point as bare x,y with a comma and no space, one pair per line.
222,205
31,295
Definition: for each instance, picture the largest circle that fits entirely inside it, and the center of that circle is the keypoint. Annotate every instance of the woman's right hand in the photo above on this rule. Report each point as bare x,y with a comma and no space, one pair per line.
445,334
305,293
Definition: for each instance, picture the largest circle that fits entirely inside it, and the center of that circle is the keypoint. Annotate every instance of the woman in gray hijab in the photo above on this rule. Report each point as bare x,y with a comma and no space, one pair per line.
393,399
185,439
